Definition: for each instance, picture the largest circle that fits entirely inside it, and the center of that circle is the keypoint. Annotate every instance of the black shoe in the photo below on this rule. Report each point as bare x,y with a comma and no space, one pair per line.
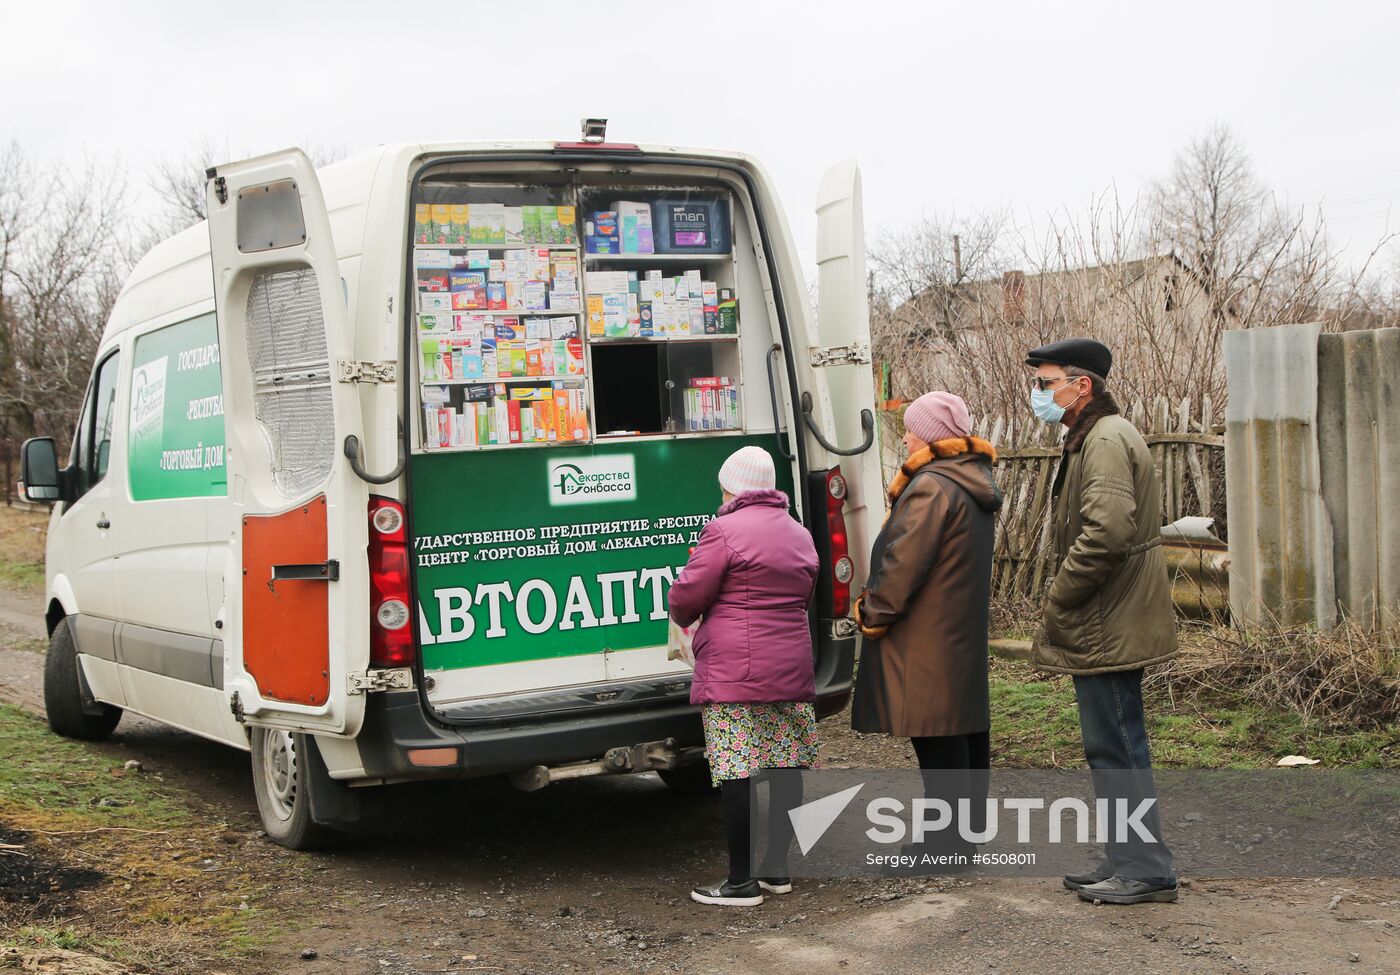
1126,890
1074,881
776,885
747,894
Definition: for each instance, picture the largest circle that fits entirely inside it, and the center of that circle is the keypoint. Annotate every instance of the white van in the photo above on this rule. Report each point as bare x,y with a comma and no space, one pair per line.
383,474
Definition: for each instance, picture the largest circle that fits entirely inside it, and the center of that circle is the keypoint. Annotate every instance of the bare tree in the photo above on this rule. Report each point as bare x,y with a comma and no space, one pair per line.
62,263
178,180
1158,279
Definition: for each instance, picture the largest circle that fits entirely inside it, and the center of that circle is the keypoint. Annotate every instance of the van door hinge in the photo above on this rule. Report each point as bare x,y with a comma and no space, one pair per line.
857,353
380,680
355,371
235,704
220,186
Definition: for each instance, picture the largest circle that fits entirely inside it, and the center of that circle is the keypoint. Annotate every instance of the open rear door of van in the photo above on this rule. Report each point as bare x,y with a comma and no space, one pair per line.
843,322
296,586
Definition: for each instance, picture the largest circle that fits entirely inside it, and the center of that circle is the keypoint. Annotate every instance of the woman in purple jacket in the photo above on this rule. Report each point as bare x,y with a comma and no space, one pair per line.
751,577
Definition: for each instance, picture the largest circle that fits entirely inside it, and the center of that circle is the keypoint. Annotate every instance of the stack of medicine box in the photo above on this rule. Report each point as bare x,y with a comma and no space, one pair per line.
649,304
461,224
530,279
711,403
472,347
625,229
501,414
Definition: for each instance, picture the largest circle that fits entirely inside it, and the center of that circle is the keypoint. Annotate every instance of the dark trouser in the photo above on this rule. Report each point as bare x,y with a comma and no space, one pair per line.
1115,738
958,767
736,796
954,751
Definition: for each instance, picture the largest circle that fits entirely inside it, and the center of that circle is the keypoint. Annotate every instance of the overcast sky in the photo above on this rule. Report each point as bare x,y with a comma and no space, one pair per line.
947,107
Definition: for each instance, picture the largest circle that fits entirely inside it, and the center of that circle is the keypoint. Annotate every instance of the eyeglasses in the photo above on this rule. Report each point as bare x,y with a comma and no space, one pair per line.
1044,383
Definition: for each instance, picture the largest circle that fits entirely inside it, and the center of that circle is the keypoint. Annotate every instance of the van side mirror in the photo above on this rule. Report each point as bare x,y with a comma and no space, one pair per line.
38,470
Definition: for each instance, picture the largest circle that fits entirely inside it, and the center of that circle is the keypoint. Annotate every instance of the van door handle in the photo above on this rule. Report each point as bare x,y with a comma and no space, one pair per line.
867,422
327,571
773,398
103,523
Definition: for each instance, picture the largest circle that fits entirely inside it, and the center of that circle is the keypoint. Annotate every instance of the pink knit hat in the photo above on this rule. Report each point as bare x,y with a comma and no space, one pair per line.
748,469
938,416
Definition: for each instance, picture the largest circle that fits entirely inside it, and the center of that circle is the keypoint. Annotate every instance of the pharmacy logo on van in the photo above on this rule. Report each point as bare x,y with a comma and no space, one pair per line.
588,480
148,399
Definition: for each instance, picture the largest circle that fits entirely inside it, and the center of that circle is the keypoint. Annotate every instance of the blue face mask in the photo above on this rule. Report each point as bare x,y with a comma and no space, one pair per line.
1044,406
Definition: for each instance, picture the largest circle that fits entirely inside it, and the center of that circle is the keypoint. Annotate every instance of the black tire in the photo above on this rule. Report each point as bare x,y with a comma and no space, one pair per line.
283,780
692,779
68,713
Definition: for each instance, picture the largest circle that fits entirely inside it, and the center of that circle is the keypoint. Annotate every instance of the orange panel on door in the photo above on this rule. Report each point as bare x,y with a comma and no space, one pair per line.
286,622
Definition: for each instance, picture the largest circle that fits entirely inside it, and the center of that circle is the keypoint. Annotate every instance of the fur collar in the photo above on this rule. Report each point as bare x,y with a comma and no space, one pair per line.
1099,407
939,450
765,496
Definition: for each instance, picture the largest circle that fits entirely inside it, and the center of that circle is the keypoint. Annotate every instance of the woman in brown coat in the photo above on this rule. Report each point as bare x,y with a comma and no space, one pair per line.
923,664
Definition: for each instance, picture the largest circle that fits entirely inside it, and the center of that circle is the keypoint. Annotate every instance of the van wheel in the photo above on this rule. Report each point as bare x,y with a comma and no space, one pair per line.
692,779
283,780
68,712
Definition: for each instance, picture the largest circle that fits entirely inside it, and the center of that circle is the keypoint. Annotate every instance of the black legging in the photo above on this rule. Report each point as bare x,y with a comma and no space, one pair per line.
784,794
954,751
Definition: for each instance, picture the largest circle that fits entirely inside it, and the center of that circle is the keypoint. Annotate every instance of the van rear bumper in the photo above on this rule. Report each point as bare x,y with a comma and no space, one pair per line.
396,726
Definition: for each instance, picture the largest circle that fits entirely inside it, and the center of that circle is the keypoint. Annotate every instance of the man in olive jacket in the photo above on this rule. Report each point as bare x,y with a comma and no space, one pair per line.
1108,613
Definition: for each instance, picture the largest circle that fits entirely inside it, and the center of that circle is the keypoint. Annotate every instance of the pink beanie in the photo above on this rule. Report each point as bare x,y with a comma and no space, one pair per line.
938,416
748,469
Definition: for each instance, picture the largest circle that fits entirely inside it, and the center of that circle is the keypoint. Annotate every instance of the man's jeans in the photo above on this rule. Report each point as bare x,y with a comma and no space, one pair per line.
1115,737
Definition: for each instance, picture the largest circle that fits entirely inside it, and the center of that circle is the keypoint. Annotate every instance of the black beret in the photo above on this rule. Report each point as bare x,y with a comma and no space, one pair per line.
1084,353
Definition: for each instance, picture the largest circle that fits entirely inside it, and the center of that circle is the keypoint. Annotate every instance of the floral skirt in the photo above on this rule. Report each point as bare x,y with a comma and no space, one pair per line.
741,739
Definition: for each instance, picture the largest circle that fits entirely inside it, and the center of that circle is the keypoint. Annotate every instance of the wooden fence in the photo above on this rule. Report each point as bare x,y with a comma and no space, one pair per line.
1186,444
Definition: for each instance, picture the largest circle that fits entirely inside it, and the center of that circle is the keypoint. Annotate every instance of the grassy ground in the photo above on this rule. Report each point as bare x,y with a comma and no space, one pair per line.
1036,725
94,833
61,779
22,535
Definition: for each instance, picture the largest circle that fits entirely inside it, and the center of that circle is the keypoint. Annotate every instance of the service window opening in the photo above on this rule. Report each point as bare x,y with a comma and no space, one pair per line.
569,313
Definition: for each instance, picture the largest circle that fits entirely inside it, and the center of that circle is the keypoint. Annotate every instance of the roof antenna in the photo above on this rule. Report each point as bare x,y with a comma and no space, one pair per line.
595,130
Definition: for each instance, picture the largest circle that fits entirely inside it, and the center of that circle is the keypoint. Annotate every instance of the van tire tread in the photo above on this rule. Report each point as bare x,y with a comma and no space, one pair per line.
298,831
64,707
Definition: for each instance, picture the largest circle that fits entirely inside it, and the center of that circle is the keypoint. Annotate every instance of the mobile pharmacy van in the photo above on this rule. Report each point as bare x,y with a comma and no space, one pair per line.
385,472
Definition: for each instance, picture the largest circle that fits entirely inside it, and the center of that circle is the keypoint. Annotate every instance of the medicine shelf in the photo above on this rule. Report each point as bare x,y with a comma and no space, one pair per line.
517,312
659,258
466,448
639,339
516,246
490,380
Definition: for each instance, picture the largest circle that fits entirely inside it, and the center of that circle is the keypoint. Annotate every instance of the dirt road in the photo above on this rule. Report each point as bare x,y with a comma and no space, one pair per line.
592,877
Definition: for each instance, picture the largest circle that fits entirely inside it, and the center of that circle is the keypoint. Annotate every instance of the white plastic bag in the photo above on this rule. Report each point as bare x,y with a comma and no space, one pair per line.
679,642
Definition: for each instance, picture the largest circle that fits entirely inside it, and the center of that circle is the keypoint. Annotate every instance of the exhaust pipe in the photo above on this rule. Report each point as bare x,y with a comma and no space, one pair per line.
649,756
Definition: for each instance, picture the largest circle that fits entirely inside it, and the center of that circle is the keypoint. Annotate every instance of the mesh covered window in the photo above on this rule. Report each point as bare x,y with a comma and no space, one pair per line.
291,377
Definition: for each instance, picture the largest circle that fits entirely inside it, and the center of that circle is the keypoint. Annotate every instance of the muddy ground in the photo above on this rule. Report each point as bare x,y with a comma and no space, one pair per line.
592,877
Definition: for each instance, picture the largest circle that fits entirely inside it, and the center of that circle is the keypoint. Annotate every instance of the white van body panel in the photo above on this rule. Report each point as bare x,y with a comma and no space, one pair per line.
201,711
843,305
59,588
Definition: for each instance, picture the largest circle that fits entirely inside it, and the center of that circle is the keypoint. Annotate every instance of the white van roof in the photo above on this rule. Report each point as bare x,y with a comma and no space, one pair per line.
175,276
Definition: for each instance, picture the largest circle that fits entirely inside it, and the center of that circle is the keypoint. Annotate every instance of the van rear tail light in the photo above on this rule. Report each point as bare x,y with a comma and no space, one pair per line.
842,568
391,637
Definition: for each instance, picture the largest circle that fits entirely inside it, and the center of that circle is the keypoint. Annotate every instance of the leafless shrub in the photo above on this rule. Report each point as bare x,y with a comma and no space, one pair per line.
1343,678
